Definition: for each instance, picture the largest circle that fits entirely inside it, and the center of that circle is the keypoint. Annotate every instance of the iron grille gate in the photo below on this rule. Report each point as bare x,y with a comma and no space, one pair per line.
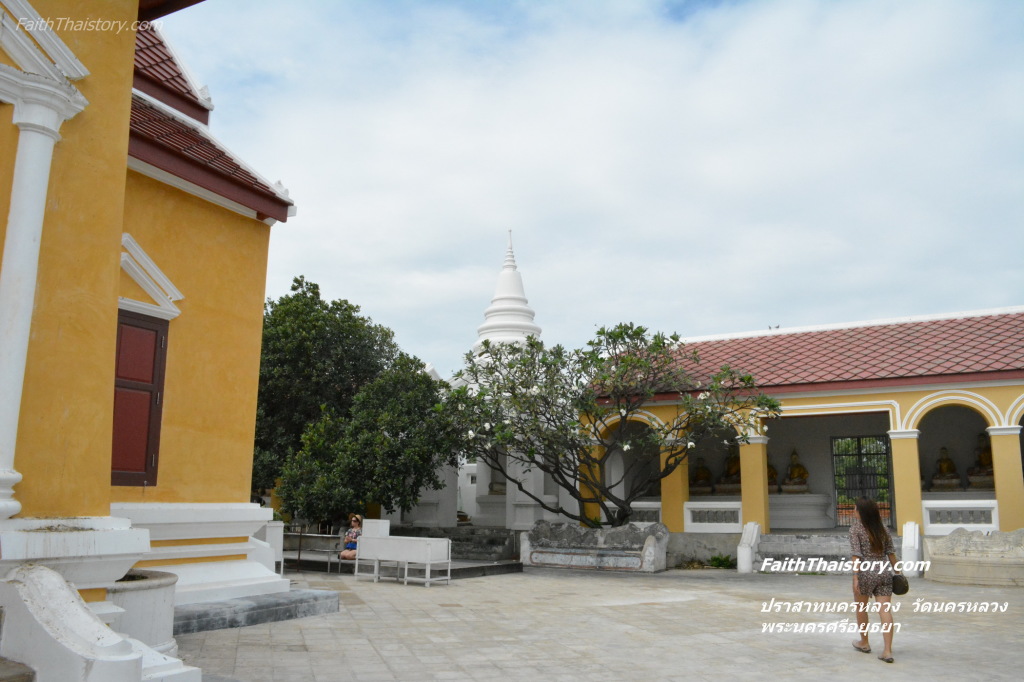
861,465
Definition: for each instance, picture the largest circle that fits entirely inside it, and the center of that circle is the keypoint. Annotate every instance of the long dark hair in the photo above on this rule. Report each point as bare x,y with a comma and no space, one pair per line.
872,522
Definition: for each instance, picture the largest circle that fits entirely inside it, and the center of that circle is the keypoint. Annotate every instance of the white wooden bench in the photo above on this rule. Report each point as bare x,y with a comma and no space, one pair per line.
432,554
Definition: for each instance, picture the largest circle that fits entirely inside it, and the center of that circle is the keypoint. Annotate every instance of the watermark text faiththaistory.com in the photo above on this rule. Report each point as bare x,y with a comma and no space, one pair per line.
69,24
801,565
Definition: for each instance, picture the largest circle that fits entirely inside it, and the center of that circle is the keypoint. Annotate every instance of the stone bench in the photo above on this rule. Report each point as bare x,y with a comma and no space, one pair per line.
638,547
404,552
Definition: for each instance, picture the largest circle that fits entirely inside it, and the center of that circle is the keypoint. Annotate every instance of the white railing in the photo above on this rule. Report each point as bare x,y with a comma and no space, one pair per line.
942,517
713,517
646,512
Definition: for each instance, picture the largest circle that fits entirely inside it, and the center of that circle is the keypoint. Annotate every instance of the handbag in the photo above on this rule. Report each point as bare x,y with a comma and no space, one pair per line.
900,584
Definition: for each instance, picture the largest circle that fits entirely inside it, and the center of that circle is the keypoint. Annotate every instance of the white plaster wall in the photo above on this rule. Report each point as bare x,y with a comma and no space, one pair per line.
467,489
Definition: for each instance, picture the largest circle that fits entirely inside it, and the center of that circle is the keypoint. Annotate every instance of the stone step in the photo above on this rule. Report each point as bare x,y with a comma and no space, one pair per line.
264,608
12,671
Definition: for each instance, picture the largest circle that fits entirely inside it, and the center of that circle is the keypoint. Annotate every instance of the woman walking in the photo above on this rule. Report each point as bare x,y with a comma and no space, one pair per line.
874,557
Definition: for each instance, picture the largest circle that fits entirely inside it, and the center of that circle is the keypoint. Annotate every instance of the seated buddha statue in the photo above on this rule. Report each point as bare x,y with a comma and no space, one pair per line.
797,473
701,475
773,478
981,476
732,469
946,475
983,455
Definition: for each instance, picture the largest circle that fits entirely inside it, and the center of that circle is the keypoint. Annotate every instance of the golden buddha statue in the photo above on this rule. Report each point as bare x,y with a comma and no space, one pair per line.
732,469
983,453
945,467
701,475
797,473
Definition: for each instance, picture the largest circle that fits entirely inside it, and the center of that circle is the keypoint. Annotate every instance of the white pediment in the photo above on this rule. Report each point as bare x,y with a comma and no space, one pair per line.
141,268
31,43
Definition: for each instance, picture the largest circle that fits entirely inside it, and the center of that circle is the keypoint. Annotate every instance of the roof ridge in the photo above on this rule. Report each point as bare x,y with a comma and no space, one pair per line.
884,322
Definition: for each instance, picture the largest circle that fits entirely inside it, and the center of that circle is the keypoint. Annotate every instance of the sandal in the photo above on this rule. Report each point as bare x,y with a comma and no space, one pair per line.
863,650
887,659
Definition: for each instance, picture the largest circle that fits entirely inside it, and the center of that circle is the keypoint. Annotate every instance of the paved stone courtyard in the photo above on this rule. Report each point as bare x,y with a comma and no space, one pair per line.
549,625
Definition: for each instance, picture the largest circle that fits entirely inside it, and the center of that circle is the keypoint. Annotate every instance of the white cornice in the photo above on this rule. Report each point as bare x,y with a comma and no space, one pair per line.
855,325
143,259
141,268
51,58
40,102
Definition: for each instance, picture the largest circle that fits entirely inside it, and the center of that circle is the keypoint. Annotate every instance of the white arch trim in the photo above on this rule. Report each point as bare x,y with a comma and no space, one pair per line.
642,416
1016,412
833,409
953,397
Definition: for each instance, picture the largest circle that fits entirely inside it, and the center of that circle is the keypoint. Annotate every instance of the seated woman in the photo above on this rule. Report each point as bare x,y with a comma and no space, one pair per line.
355,529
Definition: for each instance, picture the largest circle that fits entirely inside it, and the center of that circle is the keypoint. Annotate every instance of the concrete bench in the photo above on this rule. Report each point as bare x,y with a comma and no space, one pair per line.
432,554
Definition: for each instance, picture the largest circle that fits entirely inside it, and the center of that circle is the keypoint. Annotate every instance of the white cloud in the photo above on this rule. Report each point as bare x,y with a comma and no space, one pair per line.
747,164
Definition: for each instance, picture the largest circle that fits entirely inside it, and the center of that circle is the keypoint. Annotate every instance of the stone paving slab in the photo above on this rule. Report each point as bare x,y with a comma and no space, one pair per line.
551,624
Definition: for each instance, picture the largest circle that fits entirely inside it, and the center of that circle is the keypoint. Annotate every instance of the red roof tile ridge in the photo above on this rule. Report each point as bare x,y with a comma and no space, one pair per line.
987,312
182,79
276,187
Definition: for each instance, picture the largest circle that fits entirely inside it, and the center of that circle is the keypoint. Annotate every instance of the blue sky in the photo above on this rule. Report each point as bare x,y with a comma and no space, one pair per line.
700,167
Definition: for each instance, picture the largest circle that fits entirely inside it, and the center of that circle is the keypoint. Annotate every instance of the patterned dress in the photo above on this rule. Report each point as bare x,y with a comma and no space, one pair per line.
350,538
869,581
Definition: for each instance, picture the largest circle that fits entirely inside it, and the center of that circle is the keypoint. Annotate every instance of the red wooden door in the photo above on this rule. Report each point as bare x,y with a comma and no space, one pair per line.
138,398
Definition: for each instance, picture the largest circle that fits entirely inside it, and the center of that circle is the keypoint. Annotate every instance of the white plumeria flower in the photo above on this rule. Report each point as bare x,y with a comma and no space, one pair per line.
690,445
471,434
703,395
623,411
534,391
625,446
487,426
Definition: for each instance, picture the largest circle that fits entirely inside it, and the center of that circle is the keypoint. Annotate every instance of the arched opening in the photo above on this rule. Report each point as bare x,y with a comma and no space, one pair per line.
714,465
954,452
632,466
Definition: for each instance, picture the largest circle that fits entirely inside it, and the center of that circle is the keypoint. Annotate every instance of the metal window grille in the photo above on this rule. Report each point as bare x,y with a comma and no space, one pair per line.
862,466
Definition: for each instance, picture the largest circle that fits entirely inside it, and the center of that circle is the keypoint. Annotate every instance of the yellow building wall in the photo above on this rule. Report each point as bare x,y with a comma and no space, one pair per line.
906,408
63,449
217,259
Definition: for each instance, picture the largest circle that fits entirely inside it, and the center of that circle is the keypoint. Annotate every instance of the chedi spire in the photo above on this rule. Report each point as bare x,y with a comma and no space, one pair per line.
509,318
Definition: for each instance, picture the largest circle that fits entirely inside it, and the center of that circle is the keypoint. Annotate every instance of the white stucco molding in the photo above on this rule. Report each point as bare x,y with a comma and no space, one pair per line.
756,440
981,404
835,409
141,268
907,434
1004,430
32,44
1016,411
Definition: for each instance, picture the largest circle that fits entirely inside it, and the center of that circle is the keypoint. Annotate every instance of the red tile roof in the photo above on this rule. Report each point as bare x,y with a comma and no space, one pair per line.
185,150
968,347
159,75
154,59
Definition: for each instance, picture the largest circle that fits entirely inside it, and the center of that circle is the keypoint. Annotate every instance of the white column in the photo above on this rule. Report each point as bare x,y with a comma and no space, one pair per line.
40,107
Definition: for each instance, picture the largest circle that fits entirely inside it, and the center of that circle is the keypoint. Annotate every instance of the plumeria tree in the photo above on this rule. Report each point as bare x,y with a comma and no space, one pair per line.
525,407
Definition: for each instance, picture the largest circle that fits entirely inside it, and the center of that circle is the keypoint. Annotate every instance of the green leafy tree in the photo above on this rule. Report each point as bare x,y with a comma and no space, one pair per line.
524,407
393,443
316,354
